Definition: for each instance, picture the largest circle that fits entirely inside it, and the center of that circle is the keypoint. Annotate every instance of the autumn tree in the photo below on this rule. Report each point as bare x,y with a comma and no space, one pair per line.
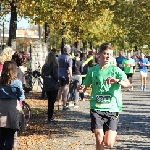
122,22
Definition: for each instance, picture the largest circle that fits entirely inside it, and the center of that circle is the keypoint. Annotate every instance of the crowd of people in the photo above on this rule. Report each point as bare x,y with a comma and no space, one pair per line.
12,118
66,78
130,63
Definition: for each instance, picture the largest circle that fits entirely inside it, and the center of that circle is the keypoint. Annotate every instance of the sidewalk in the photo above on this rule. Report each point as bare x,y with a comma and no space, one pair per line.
72,132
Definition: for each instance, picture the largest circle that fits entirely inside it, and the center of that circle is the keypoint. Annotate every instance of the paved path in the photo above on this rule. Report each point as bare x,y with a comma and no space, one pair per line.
133,128
72,132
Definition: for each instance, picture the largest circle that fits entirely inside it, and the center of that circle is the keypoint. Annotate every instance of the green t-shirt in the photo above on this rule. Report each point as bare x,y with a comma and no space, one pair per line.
105,97
126,62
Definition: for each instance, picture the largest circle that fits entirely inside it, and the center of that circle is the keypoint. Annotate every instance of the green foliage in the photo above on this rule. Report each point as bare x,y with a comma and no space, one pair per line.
125,23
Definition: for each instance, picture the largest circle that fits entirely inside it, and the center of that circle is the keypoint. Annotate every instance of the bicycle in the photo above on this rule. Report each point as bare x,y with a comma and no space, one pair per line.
37,77
31,78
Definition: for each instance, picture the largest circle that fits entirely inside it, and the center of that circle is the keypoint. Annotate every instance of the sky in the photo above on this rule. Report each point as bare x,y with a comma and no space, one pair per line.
22,23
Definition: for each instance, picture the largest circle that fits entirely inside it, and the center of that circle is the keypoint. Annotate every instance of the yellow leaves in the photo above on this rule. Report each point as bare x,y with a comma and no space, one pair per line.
33,2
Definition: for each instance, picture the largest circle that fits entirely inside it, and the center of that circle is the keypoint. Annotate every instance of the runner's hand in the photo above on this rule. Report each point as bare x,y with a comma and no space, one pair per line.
111,80
144,64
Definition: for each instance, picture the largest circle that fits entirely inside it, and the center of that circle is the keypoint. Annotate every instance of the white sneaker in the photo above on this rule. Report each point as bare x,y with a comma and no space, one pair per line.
86,94
71,104
76,106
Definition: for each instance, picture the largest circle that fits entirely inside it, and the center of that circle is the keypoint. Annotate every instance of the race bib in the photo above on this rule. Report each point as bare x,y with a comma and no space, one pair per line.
103,99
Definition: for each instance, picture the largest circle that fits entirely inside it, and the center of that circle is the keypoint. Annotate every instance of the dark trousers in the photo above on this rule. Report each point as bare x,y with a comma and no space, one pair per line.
43,95
51,95
6,138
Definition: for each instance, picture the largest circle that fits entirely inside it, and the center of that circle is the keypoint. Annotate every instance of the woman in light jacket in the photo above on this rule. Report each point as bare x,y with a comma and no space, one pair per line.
11,92
50,80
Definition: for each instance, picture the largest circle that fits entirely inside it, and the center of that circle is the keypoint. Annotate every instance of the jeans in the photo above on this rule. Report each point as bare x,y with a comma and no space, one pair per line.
82,94
74,91
51,95
6,138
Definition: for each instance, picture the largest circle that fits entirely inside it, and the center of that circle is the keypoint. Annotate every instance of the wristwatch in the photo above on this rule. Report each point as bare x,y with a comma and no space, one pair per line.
119,81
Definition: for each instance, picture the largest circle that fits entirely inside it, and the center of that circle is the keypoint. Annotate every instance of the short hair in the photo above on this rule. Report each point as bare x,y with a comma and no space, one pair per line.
66,48
105,46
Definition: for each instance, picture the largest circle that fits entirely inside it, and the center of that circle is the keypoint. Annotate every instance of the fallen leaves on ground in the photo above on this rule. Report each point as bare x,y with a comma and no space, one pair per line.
42,136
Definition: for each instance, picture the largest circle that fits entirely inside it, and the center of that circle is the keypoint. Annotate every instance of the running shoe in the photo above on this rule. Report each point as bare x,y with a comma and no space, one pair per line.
76,105
52,120
144,89
66,108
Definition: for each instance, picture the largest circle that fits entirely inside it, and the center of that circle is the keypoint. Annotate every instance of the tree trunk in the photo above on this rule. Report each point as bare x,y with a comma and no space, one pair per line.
47,34
13,23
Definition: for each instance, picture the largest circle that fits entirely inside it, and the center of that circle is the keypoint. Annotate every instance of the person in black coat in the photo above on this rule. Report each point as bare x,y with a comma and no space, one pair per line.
50,79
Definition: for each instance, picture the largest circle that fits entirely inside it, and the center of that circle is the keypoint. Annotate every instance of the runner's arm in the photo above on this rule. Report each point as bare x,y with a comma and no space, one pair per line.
124,83
147,64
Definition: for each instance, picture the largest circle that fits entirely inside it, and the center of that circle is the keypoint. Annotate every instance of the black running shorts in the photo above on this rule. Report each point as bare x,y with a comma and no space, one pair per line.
63,81
129,75
104,120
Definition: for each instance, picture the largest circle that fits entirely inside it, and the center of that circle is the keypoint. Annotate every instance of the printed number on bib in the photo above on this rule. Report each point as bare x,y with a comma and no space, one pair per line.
103,98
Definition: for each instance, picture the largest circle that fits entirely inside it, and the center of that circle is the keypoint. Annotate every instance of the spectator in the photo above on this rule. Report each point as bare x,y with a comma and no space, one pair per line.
11,92
6,55
65,74
50,79
20,58
43,94
85,69
76,78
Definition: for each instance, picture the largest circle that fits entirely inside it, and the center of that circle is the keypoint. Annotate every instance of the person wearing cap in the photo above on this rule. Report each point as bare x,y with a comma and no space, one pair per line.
65,74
